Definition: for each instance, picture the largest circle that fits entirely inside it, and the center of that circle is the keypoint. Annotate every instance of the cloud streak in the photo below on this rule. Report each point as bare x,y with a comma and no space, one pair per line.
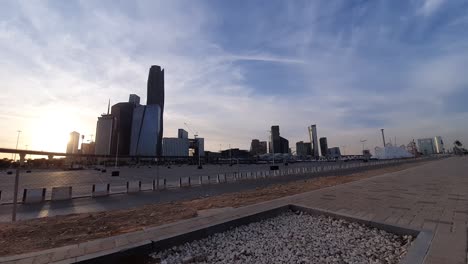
350,68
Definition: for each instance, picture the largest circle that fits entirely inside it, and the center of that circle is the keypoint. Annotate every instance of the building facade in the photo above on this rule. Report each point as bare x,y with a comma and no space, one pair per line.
278,144
324,146
258,147
104,134
181,133
334,152
313,138
426,146
303,149
146,131
72,146
134,99
439,145
88,148
175,147
123,113
156,97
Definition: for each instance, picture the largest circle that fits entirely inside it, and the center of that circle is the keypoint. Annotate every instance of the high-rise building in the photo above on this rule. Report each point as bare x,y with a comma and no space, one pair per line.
278,144
182,133
104,134
314,140
72,146
258,147
426,146
324,146
134,99
334,152
439,145
175,147
303,149
156,97
123,113
88,148
146,131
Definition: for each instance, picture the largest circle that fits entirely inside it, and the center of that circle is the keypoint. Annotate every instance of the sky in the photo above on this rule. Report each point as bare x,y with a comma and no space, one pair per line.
235,68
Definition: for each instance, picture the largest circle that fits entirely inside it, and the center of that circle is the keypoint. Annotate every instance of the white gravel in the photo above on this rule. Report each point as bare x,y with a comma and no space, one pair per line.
292,238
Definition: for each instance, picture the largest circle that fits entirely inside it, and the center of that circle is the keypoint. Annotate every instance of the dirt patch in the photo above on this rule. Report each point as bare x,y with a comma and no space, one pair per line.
50,232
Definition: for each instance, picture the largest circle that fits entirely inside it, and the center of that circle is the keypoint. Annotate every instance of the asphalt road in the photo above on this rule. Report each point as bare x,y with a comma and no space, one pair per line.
83,180
123,201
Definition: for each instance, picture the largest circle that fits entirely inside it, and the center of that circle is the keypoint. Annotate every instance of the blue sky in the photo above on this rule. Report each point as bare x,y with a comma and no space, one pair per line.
234,68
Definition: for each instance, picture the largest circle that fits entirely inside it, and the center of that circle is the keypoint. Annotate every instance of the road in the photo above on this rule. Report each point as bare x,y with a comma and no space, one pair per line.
83,180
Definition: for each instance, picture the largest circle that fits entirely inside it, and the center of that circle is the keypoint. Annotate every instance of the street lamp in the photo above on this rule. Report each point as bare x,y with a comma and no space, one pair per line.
272,146
363,141
17,140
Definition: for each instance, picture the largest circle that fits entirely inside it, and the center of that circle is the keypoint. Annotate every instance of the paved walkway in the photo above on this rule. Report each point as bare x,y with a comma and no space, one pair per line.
431,196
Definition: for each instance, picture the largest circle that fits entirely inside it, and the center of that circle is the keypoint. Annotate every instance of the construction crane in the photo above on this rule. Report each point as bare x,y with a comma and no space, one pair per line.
195,134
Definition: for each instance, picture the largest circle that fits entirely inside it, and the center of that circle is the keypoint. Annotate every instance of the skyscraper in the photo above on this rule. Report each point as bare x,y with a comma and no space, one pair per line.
313,139
182,133
72,146
324,146
123,113
134,99
426,146
146,131
156,97
258,147
104,133
303,149
278,144
439,145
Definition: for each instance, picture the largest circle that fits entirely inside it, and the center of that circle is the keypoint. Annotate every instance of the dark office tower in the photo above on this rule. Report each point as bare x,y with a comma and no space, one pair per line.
303,149
156,97
314,141
123,113
258,147
275,141
278,144
324,146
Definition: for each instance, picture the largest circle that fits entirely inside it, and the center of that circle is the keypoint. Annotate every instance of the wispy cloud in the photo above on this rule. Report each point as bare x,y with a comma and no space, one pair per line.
430,6
350,67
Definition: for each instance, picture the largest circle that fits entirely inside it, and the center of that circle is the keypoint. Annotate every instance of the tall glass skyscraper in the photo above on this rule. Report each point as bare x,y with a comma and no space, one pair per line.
156,97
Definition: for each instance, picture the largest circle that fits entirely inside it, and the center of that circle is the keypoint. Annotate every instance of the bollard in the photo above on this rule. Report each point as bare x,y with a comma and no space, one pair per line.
217,179
200,180
209,179
180,182
189,182
164,182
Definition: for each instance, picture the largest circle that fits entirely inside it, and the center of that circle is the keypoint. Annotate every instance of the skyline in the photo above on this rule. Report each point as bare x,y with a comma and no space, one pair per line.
350,68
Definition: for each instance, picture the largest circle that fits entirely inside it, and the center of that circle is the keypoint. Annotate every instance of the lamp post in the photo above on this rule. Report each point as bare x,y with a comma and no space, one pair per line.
363,142
272,146
17,140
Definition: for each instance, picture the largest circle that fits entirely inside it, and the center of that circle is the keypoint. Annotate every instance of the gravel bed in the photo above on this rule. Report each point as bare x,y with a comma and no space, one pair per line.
292,237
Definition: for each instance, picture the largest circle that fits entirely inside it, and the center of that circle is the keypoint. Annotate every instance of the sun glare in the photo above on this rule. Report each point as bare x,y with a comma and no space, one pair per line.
51,132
